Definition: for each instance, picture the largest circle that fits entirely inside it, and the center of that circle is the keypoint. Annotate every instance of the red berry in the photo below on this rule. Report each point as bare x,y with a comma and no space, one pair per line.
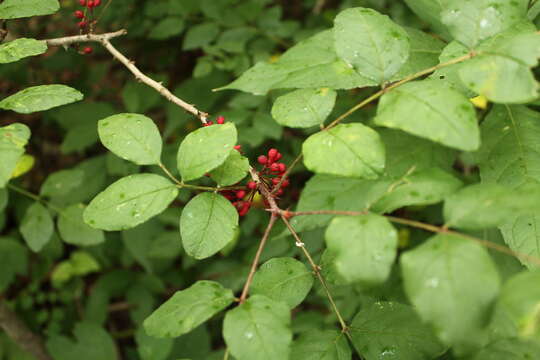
274,167
282,167
279,192
208,123
285,183
88,50
272,153
82,24
252,185
238,147
82,2
90,4
275,181
220,120
97,3
79,14
240,194
245,208
278,156
262,160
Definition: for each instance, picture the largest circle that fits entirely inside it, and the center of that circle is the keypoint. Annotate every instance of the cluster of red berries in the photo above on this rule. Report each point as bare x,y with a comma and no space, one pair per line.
83,18
271,175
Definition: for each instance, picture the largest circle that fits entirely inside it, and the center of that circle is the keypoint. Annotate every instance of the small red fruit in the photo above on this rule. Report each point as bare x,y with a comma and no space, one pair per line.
240,194
272,153
90,4
238,147
282,167
88,50
274,167
252,185
262,160
279,192
220,120
97,3
285,183
82,24
82,2
276,181
79,14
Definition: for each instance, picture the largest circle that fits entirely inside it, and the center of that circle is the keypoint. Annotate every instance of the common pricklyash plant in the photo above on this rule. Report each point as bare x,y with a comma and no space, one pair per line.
371,191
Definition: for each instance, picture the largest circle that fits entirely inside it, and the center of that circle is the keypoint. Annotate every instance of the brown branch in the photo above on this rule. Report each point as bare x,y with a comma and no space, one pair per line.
317,270
20,334
420,225
257,257
104,39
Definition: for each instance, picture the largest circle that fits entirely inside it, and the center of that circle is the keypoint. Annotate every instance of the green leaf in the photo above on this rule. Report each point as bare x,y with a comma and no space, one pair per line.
14,9
452,282
352,150
424,53
283,279
208,223
200,35
74,231
40,98
37,226
372,43
20,48
503,72
304,108
392,330
521,301
205,149
14,260
167,28
473,21
187,309
132,137
321,345
509,349
509,157
151,348
13,139
325,192
61,183
258,329
483,206
234,169
130,201
424,187
440,113
364,246
405,152
429,11
312,63
92,342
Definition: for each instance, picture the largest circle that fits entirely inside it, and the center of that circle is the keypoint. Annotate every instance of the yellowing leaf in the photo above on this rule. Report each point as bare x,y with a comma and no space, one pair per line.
480,102
25,164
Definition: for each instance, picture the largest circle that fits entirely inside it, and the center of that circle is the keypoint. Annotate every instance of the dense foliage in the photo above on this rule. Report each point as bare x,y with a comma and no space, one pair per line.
366,186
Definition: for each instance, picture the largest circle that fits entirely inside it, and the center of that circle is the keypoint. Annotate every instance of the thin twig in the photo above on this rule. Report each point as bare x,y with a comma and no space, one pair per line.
428,227
104,39
19,333
257,257
317,270
380,93
69,40
415,76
